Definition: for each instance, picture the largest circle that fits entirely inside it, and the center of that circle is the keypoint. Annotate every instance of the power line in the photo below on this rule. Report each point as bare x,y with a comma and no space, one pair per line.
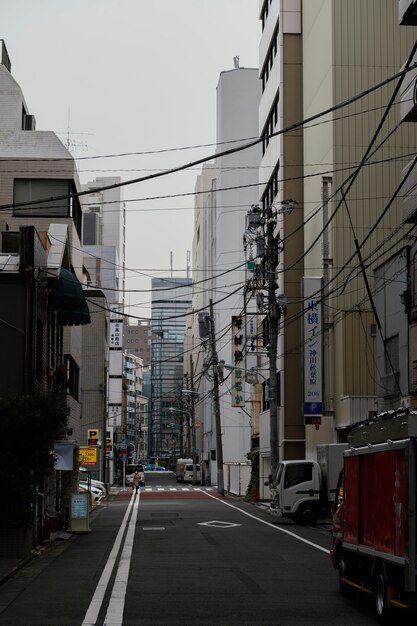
228,152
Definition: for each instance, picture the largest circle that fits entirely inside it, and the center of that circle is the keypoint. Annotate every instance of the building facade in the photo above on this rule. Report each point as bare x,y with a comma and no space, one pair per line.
171,299
350,203
280,177
230,184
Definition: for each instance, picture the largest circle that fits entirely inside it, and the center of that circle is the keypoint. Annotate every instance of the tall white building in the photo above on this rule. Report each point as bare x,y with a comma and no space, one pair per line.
218,257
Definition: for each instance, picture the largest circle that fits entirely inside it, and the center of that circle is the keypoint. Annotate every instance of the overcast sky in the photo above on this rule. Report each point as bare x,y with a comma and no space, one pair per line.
132,76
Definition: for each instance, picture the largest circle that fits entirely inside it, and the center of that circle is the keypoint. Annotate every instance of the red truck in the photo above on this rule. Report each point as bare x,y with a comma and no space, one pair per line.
375,517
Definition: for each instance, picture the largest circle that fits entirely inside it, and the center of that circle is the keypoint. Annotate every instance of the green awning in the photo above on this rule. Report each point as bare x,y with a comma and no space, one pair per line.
68,300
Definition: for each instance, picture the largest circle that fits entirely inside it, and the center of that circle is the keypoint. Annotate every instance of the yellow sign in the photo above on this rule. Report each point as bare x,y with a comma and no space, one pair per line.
93,437
88,456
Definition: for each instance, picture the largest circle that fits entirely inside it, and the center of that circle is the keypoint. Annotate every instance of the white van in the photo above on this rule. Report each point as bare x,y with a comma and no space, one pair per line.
188,476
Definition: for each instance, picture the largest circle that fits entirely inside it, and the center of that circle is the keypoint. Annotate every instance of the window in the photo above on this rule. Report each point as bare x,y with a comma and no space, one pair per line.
270,123
32,189
72,376
392,360
297,474
271,189
269,58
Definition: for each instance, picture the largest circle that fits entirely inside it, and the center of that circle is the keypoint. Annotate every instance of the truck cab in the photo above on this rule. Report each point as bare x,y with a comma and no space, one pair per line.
295,491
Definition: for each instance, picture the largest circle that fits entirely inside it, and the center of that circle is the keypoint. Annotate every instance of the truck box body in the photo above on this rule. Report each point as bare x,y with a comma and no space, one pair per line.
374,527
180,469
330,459
376,517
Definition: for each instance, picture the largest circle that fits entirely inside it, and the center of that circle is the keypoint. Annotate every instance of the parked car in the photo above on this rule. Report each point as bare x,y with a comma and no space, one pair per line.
96,494
154,468
95,483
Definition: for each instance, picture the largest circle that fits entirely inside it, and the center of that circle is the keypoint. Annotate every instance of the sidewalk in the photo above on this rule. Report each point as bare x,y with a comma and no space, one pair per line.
9,566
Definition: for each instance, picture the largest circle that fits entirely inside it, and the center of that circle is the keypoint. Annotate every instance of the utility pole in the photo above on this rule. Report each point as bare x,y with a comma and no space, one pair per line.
216,399
192,424
271,262
260,231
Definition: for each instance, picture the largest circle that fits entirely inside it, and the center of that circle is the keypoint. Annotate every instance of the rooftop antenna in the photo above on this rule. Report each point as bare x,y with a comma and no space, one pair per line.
236,62
69,143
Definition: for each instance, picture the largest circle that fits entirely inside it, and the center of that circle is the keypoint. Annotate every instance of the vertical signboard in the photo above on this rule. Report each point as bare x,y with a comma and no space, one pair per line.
79,518
313,340
238,377
116,334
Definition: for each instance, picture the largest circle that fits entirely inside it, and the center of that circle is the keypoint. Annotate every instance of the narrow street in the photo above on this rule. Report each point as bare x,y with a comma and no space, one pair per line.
178,554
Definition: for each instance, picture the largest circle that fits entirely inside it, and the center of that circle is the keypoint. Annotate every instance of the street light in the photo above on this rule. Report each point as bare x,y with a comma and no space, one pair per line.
251,374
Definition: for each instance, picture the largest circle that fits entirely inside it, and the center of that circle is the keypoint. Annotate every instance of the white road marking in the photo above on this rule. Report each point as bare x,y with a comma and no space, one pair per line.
93,610
217,524
114,615
278,528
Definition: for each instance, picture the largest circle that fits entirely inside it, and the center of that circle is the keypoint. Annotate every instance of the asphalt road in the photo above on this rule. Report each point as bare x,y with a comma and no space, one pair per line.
176,555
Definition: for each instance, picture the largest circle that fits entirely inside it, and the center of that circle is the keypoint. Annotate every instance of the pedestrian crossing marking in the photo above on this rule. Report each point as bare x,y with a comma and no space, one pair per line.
177,489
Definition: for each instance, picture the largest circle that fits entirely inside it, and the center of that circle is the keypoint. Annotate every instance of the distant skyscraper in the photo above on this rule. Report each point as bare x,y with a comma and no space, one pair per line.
171,299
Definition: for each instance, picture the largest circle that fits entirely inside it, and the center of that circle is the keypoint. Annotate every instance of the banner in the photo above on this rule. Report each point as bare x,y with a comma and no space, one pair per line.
313,339
64,455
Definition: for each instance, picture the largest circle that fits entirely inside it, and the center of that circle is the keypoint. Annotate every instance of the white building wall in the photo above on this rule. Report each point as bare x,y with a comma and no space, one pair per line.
238,94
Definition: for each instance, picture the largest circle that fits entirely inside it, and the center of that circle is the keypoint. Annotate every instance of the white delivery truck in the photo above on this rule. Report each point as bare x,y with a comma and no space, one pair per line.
185,471
304,490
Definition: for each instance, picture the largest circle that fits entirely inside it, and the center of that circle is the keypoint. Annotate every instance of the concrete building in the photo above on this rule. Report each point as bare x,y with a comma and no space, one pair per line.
34,166
137,339
408,297
281,76
135,408
105,226
104,259
94,375
335,68
219,262
42,309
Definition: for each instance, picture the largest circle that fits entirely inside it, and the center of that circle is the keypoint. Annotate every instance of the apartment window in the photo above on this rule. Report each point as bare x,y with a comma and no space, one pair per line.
392,360
270,58
270,124
33,189
271,189
264,13
72,376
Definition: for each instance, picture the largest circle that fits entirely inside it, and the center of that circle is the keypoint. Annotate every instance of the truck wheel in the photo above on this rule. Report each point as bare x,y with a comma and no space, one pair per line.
306,515
381,601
